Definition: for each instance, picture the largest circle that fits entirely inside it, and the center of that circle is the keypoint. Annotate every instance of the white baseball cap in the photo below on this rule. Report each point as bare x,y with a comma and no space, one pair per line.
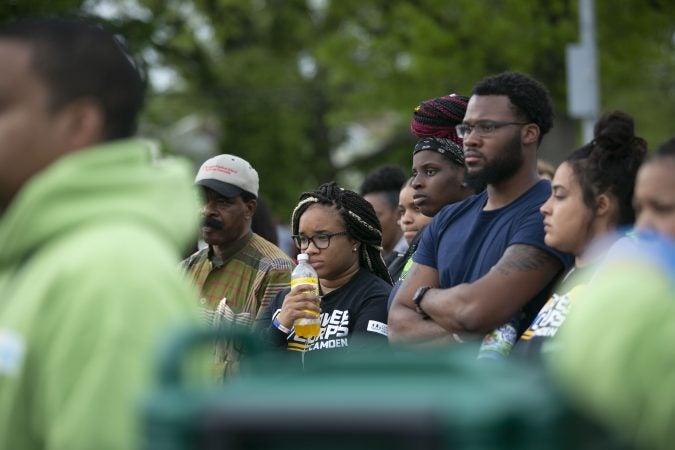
228,175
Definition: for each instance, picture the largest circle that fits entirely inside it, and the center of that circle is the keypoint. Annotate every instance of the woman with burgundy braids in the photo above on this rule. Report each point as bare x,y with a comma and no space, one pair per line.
438,157
438,174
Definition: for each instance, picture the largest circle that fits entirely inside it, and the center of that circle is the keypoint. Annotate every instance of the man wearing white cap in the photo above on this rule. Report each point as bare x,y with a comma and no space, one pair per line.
239,272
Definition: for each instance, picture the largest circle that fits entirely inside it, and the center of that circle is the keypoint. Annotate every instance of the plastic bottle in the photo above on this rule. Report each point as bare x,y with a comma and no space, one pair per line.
304,273
498,343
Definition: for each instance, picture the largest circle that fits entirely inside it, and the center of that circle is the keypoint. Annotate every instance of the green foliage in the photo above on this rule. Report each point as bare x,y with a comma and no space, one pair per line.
280,82
637,64
16,9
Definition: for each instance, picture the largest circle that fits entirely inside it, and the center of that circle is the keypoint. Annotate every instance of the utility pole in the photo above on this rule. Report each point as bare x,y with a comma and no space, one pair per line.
583,98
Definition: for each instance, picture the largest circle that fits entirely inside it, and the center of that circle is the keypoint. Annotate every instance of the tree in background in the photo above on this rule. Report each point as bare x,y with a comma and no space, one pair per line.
289,84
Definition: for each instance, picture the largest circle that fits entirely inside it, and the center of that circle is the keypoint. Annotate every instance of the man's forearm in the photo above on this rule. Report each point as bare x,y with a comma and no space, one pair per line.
407,326
446,308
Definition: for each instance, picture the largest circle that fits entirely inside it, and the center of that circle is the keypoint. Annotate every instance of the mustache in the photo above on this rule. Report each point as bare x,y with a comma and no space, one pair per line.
472,151
212,223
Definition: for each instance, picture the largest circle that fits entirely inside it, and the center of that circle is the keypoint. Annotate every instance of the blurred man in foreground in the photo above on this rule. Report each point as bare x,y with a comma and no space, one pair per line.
91,230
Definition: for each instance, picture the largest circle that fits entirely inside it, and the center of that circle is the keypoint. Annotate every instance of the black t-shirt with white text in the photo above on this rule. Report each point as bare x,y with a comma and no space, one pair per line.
353,316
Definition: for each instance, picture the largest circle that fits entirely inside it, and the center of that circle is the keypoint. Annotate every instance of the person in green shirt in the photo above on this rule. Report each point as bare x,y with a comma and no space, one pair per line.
91,232
614,358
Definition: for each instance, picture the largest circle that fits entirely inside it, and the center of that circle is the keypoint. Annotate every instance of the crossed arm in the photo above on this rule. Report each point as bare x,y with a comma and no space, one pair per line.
478,307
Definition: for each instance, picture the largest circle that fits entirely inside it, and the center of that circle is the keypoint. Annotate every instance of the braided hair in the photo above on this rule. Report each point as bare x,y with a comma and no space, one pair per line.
359,218
437,117
433,123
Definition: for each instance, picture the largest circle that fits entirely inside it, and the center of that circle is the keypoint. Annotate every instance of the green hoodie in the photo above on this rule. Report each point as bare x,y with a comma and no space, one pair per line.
88,284
614,356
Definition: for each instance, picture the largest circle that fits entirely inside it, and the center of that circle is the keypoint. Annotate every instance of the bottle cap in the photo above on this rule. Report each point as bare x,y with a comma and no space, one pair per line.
303,257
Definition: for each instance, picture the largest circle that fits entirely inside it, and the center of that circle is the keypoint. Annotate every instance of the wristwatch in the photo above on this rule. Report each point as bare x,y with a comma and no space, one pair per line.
417,299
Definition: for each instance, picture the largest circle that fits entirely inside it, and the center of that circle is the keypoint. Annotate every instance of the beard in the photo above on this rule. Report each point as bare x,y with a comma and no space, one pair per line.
500,169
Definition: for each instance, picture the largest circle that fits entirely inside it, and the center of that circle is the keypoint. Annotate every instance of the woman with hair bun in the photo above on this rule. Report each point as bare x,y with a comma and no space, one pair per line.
340,232
592,193
614,361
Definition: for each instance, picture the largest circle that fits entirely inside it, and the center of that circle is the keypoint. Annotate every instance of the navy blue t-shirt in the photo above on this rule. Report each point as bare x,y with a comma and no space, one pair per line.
463,242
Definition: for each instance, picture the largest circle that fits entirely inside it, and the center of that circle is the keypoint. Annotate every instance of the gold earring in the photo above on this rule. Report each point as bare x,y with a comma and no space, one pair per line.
354,249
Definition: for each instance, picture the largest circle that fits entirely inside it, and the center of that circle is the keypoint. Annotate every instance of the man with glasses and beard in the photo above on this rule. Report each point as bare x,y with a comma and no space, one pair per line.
239,272
482,262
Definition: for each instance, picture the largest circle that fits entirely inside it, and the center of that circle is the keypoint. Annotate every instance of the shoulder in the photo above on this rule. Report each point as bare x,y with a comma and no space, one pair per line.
120,245
537,194
541,188
460,211
528,203
370,284
94,267
364,292
199,255
269,255
449,212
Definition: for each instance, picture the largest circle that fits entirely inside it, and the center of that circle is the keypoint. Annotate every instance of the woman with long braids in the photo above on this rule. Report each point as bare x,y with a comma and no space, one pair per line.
438,158
340,232
438,172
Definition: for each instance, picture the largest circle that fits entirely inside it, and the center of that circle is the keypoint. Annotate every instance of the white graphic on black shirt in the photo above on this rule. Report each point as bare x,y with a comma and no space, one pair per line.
334,332
550,318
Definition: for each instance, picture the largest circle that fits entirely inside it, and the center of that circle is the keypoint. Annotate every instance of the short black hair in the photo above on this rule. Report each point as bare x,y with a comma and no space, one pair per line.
528,96
386,179
77,59
666,149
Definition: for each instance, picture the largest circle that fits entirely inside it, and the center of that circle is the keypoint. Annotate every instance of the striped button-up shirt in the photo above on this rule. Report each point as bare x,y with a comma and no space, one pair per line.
236,286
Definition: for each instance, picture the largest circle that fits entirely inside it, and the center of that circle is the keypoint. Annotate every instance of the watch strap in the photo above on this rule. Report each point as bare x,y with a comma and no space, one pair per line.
417,299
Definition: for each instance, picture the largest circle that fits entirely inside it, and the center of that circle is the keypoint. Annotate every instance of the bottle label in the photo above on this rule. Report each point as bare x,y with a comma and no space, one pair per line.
307,280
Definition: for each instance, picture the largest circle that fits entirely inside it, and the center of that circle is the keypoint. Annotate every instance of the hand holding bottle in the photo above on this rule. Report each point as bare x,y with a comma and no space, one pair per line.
300,303
305,283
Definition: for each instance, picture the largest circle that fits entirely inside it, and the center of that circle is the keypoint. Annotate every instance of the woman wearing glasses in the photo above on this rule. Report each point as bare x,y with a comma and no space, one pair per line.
340,232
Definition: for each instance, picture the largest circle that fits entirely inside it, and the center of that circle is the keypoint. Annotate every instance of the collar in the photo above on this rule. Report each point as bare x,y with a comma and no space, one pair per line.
219,261
401,246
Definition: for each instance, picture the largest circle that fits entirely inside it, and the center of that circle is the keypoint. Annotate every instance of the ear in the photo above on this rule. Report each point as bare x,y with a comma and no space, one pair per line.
603,205
82,123
251,206
530,134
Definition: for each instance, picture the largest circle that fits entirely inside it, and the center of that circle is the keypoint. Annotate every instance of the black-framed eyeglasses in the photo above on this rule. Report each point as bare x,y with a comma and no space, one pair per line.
482,127
320,241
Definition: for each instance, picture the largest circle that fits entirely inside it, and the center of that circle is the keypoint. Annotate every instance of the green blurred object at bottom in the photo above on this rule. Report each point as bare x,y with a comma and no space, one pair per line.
397,399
